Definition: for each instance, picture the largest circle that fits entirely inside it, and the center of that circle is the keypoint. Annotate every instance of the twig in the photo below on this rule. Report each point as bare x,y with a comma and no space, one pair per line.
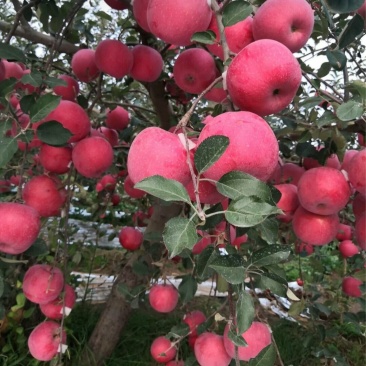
132,106
99,93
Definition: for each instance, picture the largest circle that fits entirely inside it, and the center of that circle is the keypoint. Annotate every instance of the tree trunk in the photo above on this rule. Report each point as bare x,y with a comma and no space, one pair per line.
107,332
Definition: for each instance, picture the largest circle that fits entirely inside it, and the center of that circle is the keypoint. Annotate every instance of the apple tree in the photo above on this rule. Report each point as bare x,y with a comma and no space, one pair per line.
225,136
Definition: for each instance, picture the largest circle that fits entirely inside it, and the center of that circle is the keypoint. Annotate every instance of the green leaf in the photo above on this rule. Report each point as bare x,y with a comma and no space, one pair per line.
245,311
324,70
337,59
166,189
26,103
38,248
349,111
358,86
187,288
269,230
53,133
360,275
235,12
207,37
237,339
209,151
51,82
2,286
353,28
343,6
238,184
326,119
103,15
267,357
231,267
212,221
43,107
179,234
297,307
249,211
311,102
271,254
11,53
272,282
8,147
204,260
178,331
7,86
33,78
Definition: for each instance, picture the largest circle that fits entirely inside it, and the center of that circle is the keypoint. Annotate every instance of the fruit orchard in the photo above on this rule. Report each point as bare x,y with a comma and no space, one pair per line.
224,138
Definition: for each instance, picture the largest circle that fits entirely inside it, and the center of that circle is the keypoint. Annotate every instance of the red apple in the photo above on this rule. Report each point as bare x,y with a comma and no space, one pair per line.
131,191
42,283
193,320
116,4
130,238
263,78
117,118
163,298
147,64
362,11
12,70
287,173
331,162
175,21
288,202
348,155
314,229
139,9
210,351
348,249
359,205
107,182
207,192
202,243
357,172
110,135
83,65
304,249
55,159
345,232
175,363
253,147
258,336
45,340
351,286
68,92
92,149
62,305
289,23
360,231
162,350
20,226
113,58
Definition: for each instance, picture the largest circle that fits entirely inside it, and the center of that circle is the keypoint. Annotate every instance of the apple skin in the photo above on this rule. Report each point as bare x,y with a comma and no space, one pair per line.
151,154
72,117
106,183
42,283
362,11
113,58
116,4
193,319
20,226
68,92
315,229
345,232
331,162
323,191
139,9
44,340
131,191
175,21
351,286
348,155
130,238
163,298
83,65
360,231
290,23
253,147
188,68
117,118
359,205
287,173
55,159
258,336
109,134
162,350
348,249
210,351
357,172
175,363
43,193
54,309
288,202
202,243
147,64
263,78
12,70
92,149
304,249
207,193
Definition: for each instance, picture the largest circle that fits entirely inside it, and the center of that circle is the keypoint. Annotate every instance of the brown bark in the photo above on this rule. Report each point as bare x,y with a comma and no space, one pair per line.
107,332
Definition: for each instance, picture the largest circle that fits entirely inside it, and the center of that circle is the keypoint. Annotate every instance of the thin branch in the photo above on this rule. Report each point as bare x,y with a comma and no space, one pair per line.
132,106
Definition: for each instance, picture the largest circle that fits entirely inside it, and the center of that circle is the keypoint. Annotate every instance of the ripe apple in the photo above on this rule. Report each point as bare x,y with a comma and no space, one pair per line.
348,249
175,363
117,118
258,336
175,21
323,191
61,305
207,192
155,151
345,232
163,298
287,173
188,68
131,191
44,194
360,231
348,155
92,149
263,78
116,4
202,243
139,9
193,320
109,134
162,350
351,286
83,65
331,162
288,202
357,172
362,11
68,92
253,147
55,159
42,283
20,226
113,58
107,182
300,282
130,238
359,205
72,117
140,219
314,229
289,23
304,249
147,64
210,351
12,70
45,340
